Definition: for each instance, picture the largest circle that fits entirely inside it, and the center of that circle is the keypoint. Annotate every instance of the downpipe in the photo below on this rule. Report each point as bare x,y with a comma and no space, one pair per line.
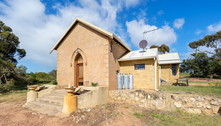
155,75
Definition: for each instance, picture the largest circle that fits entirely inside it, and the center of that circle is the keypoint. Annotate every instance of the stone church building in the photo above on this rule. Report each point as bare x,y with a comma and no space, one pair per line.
86,54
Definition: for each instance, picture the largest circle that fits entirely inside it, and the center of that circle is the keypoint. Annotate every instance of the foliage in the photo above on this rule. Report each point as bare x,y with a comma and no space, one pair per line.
212,41
161,49
10,53
53,73
201,65
184,74
55,83
7,87
21,70
41,75
9,42
94,84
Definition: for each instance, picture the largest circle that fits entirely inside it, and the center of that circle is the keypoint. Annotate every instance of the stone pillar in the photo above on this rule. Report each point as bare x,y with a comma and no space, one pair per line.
70,102
32,95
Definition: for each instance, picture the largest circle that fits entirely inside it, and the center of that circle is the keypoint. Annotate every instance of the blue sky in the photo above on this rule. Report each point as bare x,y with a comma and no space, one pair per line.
40,23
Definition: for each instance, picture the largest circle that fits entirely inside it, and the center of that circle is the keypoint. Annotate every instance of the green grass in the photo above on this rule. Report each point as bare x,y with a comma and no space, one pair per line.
202,90
176,118
184,74
206,82
179,118
138,115
14,96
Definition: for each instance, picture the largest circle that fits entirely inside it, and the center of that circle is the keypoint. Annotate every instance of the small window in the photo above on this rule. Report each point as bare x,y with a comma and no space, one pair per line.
139,66
174,71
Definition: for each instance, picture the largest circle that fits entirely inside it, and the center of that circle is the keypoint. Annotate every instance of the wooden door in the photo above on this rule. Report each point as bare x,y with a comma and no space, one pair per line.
79,72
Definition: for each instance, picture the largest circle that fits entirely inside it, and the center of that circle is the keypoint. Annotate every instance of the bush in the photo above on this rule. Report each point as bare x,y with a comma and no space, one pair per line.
94,84
7,87
55,83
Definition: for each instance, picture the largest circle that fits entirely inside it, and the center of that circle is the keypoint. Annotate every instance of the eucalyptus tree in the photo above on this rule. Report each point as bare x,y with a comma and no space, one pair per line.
161,49
10,52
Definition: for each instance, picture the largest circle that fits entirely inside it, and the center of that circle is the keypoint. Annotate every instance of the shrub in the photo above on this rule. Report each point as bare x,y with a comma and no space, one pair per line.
55,82
7,87
94,84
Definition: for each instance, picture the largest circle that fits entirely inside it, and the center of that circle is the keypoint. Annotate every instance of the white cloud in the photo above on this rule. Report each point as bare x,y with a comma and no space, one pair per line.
214,27
178,23
132,3
198,31
142,14
165,35
160,12
154,19
172,50
38,31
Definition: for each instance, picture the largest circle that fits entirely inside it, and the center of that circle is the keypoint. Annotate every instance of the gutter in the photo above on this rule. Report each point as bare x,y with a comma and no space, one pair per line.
137,58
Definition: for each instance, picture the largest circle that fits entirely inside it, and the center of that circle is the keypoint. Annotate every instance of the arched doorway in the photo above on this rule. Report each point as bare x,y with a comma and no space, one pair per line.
79,70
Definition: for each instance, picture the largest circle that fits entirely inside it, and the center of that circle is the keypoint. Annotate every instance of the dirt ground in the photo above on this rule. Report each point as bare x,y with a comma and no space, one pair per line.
114,114
111,114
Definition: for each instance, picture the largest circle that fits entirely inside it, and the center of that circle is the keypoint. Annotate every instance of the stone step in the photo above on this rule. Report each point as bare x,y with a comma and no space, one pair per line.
51,101
49,106
54,96
60,91
43,111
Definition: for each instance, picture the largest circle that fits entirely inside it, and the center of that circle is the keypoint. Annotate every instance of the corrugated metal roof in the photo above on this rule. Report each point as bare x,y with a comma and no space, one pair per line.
169,58
140,54
93,27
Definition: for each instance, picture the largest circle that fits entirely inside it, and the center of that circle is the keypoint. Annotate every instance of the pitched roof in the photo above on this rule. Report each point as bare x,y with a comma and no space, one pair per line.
140,54
169,58
112,36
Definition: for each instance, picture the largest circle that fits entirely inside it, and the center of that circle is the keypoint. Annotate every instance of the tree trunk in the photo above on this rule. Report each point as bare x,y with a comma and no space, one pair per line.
5,78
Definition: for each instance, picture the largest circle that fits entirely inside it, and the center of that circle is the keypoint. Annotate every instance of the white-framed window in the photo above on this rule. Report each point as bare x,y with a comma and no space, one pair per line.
174,70
139,66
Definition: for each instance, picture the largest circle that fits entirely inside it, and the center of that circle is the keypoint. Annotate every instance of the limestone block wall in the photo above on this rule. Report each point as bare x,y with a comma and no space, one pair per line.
95,48
166,73
115,51
96,96
168,101
142,79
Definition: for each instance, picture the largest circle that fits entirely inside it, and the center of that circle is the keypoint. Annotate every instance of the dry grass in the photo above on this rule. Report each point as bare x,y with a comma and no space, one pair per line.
14,96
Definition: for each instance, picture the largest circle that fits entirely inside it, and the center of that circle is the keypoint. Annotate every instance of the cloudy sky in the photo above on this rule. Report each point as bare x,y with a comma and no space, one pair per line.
40,23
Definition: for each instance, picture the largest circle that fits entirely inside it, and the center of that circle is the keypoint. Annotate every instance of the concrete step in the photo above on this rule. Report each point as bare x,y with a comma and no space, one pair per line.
62,91
59,93
54,96
51,101
49,106
43,111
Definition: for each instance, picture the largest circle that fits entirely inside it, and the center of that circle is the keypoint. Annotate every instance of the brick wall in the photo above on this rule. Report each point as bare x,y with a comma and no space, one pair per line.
142,79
